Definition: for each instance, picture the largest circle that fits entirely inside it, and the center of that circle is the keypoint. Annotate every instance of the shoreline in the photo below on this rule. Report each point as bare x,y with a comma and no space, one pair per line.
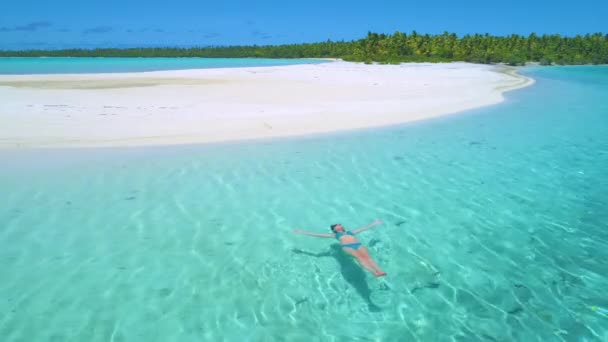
233,104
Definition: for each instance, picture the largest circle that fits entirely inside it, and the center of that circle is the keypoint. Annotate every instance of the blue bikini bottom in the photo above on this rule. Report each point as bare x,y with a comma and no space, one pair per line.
354,246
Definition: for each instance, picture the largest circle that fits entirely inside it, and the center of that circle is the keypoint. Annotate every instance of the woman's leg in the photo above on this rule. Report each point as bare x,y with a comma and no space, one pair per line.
365,254
365,262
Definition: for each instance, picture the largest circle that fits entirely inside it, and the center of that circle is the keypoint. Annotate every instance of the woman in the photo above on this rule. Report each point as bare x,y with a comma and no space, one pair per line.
351,246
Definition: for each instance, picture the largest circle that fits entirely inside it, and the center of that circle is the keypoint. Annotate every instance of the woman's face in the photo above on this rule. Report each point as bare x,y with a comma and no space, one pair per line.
338,228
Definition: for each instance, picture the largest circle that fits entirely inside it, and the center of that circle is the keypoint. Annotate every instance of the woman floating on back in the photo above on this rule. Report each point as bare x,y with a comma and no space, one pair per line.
351,246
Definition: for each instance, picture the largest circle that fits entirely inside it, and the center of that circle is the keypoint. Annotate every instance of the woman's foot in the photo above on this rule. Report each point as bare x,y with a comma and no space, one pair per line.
380,274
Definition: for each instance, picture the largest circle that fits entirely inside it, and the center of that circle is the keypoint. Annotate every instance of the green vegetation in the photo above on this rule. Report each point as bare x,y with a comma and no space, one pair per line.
390,49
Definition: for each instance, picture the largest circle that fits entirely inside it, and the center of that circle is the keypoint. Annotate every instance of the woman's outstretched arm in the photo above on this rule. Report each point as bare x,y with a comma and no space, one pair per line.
313,234
373,224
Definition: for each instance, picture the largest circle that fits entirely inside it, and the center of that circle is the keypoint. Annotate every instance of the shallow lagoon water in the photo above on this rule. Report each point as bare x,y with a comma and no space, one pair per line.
495,230
80,65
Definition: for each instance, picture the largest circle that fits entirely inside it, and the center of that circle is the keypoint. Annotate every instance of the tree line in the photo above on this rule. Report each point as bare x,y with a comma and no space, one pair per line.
388,49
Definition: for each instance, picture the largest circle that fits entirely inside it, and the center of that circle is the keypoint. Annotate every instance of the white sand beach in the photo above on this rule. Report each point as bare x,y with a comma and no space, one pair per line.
210,105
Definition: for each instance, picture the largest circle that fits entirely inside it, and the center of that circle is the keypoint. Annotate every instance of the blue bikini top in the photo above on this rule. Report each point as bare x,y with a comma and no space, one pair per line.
340,234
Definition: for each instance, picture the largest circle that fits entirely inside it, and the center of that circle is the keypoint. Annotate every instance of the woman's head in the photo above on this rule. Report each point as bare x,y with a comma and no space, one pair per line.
337,228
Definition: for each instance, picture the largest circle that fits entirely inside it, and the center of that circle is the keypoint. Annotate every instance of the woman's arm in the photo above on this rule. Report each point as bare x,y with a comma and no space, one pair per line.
373,224
313,234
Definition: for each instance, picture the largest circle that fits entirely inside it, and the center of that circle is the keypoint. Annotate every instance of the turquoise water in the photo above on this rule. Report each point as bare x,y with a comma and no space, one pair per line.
61,65
495,230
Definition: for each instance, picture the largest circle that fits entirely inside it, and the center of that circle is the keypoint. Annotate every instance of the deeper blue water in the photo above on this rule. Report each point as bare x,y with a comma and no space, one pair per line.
496,229
66,65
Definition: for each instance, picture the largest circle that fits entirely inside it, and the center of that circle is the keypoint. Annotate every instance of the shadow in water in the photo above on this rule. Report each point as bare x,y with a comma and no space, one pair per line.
351,271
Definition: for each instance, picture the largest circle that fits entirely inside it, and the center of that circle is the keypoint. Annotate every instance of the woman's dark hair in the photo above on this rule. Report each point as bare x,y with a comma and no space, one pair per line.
333,226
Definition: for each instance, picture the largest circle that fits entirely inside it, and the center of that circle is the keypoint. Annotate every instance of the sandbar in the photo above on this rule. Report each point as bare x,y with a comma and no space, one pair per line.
213,105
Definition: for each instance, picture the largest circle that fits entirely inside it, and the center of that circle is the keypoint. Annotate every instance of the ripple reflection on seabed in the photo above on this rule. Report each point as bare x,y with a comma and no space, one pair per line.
351,271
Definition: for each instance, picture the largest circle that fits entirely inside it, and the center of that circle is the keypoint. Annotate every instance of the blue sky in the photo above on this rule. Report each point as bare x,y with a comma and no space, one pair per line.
76,23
